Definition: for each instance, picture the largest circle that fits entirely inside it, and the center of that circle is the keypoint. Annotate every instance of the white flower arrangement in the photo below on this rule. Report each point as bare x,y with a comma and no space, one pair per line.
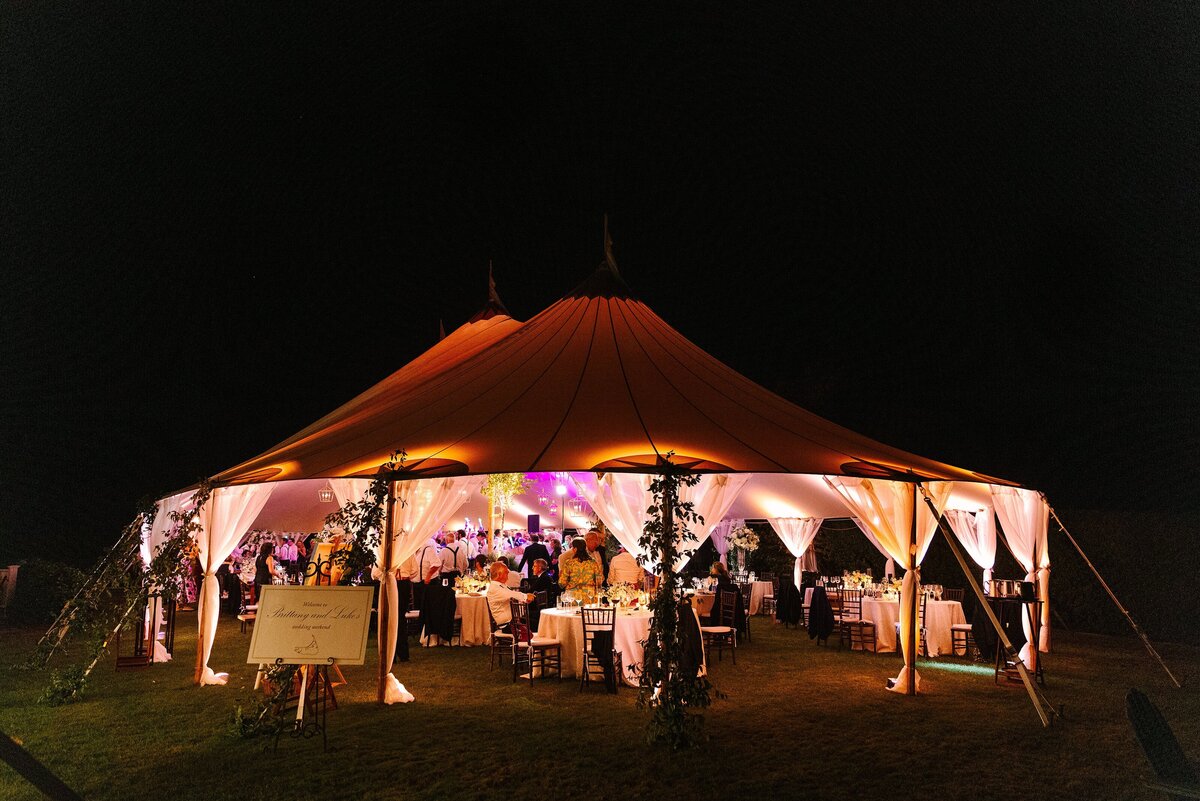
467,584
857,580
621,594
744,538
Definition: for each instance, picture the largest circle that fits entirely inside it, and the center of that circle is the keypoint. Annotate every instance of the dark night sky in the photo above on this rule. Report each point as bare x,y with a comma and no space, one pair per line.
970,232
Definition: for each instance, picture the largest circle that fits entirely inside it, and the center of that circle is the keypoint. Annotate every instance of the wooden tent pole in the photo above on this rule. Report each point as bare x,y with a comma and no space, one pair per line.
1136,628
385,594
910,657
1040,704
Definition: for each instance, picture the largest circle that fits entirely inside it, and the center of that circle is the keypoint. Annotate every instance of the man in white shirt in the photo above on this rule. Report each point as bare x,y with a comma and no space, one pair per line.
499,595
624,569
456,557
428,566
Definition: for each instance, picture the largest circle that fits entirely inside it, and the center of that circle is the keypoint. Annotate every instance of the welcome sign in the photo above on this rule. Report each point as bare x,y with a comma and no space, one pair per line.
311,625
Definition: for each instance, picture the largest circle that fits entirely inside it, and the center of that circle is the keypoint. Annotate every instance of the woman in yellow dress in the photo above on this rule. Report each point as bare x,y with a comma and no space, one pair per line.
579,573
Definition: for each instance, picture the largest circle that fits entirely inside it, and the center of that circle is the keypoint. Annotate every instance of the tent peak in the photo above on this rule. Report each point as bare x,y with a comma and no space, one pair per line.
494,306
606,280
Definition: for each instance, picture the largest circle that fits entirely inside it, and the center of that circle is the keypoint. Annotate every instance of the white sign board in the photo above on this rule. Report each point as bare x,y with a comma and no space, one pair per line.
303,625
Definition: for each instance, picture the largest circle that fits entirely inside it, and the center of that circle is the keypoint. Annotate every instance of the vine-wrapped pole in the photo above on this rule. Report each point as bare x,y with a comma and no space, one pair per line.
910,658
385,592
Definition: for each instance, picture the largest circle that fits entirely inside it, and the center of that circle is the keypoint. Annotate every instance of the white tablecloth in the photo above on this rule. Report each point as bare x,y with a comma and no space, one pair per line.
473,611
939,617
703,603
566,626
759,590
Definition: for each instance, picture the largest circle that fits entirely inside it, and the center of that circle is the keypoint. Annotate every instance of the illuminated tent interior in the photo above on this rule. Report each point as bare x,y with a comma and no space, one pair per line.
597,385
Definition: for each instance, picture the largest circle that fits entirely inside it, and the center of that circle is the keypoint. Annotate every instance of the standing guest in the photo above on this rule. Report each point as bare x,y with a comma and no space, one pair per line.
578,571
407,576
595,546
533,551
427,566
479,545
555,555
624,569
264,568
455,561
499,594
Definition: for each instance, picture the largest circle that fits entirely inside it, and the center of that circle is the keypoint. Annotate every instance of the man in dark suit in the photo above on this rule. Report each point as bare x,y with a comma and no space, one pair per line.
533,551
542,582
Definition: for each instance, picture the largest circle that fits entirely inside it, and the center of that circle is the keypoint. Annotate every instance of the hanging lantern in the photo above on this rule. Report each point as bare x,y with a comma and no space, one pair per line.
325,494
553,509
543,499
576,506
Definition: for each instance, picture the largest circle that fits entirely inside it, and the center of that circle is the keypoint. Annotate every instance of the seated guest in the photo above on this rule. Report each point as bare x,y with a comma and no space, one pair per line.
725,584
624,569
543,581
578,572
499,594
479,567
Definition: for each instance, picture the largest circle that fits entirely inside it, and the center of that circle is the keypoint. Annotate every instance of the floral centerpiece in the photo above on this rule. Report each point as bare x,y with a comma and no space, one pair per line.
742,541
857,580
467,584
622,595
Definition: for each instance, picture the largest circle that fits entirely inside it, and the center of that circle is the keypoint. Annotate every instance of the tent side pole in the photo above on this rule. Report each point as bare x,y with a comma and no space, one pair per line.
1039,703
382,619
910,657
1121,607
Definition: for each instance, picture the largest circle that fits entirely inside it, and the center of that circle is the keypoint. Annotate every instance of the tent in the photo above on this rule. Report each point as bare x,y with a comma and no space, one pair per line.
599,389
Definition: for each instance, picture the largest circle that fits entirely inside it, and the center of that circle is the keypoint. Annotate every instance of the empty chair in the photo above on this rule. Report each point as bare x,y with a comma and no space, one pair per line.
499,643
853,630
922,642
745,589
600,659
723,635
951,594
768,601
533,652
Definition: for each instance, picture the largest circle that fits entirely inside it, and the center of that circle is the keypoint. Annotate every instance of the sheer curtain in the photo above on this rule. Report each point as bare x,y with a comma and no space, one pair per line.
797,534
422,507
1025,519
889,569
620,500
153,536
720,537
886,509
224,519
977,533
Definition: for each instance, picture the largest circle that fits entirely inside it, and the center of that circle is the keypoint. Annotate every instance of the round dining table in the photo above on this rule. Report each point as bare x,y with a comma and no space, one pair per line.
472,608
758,591
939,617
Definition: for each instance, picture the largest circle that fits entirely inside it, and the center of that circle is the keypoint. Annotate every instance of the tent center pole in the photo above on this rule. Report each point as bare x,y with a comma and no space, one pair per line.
385,600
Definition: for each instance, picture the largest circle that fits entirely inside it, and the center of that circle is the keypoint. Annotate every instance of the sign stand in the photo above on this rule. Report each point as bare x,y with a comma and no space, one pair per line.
314,699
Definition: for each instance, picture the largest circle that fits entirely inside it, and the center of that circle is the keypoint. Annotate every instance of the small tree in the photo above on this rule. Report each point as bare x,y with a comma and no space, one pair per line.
669,687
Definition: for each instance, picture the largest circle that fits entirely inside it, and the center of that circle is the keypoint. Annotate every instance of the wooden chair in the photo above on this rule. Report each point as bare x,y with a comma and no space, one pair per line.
498,643
768,601
535,653
598,620
725,634
853,630
922,642
746,590
950,594
248,609
1174,774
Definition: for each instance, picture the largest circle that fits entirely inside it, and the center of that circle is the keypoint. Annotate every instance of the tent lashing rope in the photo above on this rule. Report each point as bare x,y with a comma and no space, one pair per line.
1120,606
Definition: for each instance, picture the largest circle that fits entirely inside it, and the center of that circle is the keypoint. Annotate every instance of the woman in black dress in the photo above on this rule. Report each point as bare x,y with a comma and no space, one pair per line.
264,568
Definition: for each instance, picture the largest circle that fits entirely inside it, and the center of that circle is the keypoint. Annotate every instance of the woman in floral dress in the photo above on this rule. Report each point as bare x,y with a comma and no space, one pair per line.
578,572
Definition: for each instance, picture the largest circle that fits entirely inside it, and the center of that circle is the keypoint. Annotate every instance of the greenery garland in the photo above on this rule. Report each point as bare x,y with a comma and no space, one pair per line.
363,522
671,692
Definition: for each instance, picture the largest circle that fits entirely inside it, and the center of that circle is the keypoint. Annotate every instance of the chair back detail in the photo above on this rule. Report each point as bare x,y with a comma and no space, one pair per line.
521,631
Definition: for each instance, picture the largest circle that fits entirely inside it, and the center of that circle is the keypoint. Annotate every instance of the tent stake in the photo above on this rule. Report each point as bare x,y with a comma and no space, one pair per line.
1041,705
1136,628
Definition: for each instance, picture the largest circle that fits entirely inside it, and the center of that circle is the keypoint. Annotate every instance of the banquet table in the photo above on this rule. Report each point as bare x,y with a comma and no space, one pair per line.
703,602
631,630
472,608
758,591
939,617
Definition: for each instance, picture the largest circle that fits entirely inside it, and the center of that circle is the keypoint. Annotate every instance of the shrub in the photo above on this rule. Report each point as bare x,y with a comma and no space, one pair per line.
42,589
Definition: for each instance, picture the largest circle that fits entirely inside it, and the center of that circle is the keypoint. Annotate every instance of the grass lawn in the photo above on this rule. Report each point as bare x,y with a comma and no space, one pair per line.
799,721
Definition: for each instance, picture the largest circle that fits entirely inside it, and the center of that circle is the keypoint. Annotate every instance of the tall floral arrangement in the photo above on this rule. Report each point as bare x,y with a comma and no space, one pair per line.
742,541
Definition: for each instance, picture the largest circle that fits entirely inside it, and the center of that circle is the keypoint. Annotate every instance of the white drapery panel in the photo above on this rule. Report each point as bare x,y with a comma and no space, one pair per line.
886,509
153,537
620,500
224,519
422,507
889,569
977,533
720,537
348,490
1025,519
797,534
